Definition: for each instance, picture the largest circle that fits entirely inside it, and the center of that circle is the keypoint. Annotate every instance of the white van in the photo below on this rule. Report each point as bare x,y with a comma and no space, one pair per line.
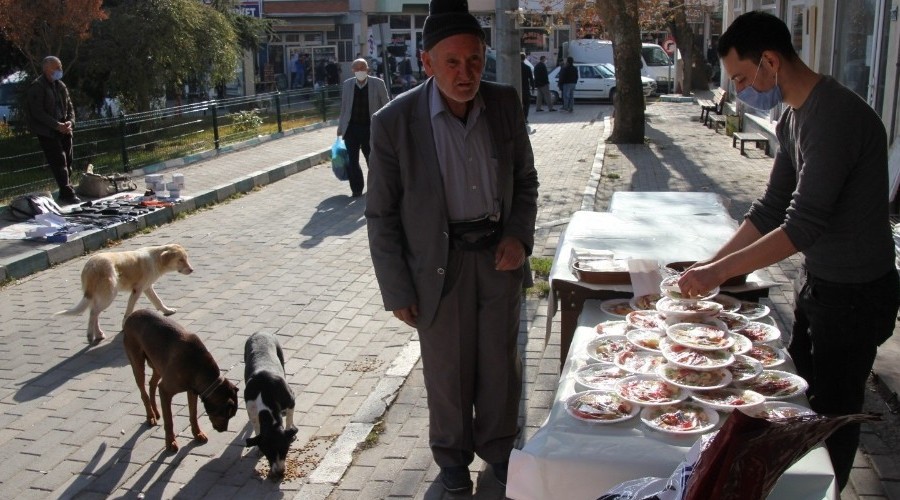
655,63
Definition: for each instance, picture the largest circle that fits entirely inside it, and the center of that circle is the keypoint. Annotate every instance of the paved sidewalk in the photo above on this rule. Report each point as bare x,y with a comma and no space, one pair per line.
291,257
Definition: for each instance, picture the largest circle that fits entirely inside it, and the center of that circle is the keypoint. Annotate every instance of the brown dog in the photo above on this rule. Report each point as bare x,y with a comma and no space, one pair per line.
106,273
182,362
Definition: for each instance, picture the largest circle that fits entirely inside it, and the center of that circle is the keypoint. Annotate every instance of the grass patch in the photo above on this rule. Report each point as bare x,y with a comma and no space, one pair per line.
612,176
541,266
372,439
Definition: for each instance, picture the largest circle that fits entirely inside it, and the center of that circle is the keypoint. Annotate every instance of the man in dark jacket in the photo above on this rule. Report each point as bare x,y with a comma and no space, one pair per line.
542,84
527,85
568,77
51,117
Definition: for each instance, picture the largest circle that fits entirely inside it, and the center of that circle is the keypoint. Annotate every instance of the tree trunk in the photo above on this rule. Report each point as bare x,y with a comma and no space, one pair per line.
684,40
622,16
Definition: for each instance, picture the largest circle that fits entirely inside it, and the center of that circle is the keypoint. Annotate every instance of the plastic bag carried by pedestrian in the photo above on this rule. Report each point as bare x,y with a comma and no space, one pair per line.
339,159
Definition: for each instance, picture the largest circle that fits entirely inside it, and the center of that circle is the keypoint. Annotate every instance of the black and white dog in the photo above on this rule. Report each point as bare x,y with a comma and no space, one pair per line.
268,397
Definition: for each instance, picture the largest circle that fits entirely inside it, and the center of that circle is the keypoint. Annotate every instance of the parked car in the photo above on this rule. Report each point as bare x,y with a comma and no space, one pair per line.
595,81
655,63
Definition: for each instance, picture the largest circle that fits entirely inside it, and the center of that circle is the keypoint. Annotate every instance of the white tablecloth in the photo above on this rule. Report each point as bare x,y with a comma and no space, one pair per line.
571,460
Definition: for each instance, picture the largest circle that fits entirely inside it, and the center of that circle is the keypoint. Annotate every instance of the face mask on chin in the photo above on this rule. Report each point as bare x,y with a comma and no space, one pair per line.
761,100
360,75
57,75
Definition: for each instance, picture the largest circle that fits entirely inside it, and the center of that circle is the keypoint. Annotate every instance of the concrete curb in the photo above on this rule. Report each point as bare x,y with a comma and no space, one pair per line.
46,256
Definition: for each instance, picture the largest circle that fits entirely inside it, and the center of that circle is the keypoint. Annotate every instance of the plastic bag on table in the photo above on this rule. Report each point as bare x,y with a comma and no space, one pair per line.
339,159
745,458
741,461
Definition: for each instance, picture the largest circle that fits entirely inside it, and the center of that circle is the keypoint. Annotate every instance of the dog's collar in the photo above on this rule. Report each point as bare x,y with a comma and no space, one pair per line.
209,390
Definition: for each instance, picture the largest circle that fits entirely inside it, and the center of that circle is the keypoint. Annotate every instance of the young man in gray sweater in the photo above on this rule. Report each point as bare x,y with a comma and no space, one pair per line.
827,198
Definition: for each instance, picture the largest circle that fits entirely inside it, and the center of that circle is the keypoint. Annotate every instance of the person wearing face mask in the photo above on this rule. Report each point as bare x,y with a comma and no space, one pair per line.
827,198
361,96
51,117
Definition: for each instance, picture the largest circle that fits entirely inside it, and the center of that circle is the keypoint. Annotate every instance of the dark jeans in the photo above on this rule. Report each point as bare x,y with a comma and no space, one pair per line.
356,137
58,151
837,330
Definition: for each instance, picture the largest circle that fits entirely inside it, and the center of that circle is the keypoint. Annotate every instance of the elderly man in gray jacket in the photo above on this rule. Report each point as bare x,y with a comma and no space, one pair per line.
451,211
361,97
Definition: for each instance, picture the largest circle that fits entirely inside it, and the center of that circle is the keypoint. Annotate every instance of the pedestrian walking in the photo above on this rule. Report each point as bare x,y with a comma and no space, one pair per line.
527,85
361,97
542,84
449,260
51,117
568,78
826,198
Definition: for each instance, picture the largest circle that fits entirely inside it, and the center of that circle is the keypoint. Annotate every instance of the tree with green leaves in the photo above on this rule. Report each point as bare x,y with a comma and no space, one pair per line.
148,46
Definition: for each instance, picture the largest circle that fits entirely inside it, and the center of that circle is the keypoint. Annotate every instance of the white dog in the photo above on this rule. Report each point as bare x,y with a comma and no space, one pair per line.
105,274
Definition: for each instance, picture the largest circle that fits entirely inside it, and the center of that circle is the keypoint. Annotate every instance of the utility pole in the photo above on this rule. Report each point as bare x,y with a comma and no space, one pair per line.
508,43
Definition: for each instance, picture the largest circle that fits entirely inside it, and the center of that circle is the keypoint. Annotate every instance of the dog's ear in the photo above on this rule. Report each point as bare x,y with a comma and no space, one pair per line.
251,442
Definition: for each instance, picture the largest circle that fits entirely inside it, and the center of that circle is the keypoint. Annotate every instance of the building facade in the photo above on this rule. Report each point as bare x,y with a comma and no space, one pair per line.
855,41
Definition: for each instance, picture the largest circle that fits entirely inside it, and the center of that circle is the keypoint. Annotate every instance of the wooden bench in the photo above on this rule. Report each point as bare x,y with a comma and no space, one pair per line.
715,121
745,137
717,104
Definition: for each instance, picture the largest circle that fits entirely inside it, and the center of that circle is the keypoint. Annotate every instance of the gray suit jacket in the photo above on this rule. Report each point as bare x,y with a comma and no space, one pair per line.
406,212
378,97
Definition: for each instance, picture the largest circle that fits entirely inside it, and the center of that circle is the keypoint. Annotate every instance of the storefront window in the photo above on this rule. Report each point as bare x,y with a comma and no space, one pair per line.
855,44
400,22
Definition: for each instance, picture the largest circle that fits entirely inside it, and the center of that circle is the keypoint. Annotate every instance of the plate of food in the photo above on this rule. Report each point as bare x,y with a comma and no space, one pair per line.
687,310
699,336
649,391
728,399
733,321
646,320
646,339
645,302
688,378
776,384
680,418
669,288
759,333
772,410
753,310
729,303
686,357
741,345
617,307
639,361
612,328
600,376
605,348
600,407
767,355
744,368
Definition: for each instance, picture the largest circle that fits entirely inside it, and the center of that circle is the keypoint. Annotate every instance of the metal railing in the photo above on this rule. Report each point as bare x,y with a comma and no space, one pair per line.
129,142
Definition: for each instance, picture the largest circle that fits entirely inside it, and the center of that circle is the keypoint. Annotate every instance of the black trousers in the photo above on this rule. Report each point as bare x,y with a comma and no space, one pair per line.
356,137
837,330
58,152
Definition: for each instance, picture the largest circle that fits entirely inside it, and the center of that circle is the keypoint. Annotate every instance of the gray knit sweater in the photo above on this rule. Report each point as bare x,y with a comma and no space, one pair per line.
829,186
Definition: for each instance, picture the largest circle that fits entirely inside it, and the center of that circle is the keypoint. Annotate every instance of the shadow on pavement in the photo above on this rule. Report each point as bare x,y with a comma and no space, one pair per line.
108,354
339,215
104,479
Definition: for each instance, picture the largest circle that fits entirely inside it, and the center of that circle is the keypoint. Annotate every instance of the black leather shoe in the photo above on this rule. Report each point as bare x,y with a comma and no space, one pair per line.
456,479
500,470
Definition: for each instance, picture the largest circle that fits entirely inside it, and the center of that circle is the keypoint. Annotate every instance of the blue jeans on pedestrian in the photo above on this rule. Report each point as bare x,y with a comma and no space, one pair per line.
837,330
568,96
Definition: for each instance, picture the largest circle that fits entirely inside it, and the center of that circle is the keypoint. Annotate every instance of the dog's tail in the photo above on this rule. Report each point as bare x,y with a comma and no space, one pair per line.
78,309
